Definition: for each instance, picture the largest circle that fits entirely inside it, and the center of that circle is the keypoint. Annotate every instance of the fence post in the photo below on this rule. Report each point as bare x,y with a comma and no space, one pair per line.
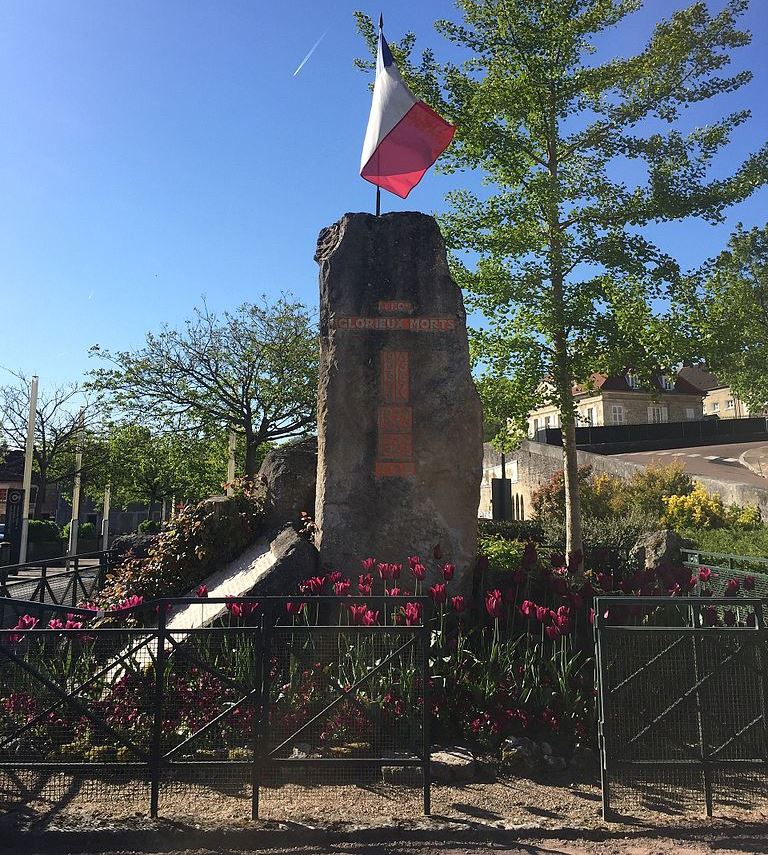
155,755
426,715
261,712
600,676
762,647
706,774
43,582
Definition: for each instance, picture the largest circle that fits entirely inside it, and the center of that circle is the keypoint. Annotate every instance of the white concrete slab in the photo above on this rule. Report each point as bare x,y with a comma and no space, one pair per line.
233,580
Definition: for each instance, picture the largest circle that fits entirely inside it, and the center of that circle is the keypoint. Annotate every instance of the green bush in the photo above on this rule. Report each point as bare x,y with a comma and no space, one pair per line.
85,531
648,488
43,531
605,496
198,541
502,554
524,530
607,542
731,541
149,527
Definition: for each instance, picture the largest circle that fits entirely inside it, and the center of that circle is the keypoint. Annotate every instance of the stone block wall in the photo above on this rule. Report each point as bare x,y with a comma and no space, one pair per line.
537,463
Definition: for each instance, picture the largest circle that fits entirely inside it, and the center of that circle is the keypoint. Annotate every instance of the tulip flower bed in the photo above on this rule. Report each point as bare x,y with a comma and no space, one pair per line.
516,660
342,669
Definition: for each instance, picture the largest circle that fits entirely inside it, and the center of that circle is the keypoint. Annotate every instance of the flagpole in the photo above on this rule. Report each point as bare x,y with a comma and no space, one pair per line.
378,189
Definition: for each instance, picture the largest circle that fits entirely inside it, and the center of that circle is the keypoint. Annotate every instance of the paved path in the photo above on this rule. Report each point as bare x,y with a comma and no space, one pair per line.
724,462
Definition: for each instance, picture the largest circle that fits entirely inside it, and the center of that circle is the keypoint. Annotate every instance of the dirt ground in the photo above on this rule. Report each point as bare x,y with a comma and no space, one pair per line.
509,815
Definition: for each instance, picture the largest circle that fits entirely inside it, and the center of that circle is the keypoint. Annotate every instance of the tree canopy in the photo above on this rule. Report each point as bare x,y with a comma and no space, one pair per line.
729,306
253,371
553,250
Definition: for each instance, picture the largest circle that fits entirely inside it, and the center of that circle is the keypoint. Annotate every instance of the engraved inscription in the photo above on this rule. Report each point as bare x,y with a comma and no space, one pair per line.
355,323
394,456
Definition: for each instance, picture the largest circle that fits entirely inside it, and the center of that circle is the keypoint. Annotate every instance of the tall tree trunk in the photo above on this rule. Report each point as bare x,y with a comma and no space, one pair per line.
573,533
574,544
562,363
251,449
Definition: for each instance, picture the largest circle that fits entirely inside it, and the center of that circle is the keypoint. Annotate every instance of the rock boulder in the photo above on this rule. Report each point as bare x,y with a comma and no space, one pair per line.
399,418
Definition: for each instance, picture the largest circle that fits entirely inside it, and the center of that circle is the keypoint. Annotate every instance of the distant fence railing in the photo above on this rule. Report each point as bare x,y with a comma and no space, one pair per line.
682,694
715,570
671,434
63,581
271,698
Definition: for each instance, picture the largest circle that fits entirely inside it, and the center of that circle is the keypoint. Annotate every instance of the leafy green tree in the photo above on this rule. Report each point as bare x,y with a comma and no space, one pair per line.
730,308
253,371
148,467
559,261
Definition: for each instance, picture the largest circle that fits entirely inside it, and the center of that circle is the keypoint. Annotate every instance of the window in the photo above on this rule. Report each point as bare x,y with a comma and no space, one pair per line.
658,414
590,416
3,494
512,471
535,426
716,407
632,382
690,413
547,421
729,405
617,414
667,383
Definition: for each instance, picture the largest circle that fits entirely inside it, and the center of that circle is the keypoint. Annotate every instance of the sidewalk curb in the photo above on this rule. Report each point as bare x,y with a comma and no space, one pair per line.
172,838
756,470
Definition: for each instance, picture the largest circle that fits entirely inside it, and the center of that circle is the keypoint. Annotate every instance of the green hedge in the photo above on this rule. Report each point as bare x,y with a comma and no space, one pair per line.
732,541
85,531
523,530
43,531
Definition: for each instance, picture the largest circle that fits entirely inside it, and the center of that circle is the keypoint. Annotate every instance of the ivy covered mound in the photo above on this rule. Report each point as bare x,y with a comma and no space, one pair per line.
198,541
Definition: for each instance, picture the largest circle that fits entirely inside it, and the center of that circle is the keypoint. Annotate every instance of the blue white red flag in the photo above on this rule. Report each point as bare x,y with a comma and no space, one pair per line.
404,136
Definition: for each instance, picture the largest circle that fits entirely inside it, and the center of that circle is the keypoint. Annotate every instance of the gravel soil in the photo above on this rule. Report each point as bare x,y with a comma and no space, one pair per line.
382,819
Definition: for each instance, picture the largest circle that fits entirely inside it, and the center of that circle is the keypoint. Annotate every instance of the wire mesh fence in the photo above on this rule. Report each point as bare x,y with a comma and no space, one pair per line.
682,689
261,700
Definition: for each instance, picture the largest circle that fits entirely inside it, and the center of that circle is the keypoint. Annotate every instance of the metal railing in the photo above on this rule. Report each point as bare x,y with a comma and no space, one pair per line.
284,693
682,692
64,581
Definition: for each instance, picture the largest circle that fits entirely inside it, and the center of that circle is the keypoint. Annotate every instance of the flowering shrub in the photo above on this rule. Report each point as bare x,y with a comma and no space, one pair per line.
198,541
697,509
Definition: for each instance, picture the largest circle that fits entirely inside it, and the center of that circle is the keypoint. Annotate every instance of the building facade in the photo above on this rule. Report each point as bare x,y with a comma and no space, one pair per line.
620,400
719,400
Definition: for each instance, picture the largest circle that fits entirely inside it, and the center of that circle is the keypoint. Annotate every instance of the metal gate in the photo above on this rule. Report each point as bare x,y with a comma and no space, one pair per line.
682,689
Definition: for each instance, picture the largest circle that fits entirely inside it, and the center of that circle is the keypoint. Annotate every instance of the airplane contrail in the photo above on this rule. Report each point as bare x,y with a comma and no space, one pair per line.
311,51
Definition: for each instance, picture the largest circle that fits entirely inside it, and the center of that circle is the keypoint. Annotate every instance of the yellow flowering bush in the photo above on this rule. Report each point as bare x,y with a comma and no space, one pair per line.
746,517
697,509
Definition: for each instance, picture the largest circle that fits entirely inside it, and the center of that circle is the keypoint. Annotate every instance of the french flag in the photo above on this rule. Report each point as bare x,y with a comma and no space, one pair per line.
404,136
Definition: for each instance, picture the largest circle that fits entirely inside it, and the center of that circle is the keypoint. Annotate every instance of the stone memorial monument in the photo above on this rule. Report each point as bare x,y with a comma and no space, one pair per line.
399,418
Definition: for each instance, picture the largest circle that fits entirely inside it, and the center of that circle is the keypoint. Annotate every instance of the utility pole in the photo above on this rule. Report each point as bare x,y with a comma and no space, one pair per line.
28,454
74,522
105,518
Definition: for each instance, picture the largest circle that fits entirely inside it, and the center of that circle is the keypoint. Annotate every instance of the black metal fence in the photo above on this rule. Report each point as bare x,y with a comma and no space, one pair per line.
682,693
60,581
284,693
663,434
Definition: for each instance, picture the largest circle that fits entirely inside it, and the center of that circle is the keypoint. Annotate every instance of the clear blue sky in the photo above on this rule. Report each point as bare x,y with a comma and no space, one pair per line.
152,152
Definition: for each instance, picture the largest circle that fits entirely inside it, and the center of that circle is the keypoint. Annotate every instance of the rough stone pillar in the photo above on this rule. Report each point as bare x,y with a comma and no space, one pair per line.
399,418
